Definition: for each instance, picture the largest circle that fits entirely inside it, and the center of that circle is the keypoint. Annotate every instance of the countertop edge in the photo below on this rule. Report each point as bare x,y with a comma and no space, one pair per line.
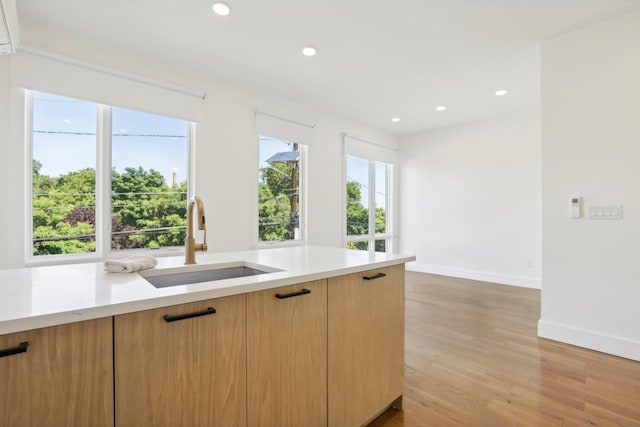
31,322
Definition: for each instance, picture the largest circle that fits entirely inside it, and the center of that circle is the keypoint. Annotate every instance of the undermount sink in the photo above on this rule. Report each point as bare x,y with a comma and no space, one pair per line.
166,277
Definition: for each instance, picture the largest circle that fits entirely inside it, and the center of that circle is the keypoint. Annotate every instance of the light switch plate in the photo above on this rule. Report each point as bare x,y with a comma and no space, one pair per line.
605,212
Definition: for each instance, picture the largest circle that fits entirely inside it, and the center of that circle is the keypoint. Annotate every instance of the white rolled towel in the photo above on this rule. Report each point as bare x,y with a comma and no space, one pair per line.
130,264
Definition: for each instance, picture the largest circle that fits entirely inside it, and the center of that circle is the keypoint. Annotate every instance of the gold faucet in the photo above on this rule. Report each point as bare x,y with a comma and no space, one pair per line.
190,246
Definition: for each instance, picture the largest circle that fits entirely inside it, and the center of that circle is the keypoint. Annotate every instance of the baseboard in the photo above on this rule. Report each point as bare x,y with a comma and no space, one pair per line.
504,279
623,347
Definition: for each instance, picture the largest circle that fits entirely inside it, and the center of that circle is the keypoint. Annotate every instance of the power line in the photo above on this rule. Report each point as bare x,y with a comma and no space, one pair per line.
364,185
164,193
158,230
143,231
62,132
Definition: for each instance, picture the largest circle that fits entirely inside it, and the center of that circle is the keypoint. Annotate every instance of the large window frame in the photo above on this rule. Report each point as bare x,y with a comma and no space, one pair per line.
103,209
371,237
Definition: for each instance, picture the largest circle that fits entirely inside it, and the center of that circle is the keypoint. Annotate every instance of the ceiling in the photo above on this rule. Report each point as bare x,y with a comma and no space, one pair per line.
376,59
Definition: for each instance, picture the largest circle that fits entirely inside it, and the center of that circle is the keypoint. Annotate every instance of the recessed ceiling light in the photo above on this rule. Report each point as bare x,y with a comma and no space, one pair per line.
309,51
441,107
502,92
395,119
66,120
221,9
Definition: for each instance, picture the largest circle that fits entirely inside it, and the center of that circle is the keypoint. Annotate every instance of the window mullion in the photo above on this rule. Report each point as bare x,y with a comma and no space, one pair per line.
103,181
389,211
191,160
372,206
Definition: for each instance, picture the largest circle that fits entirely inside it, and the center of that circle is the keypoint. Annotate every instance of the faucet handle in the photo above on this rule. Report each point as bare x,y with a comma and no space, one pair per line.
200,247
203,246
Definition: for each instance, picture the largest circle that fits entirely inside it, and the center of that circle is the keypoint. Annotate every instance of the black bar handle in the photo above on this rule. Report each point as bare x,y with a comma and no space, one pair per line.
293,294
374,277
206,312
22,348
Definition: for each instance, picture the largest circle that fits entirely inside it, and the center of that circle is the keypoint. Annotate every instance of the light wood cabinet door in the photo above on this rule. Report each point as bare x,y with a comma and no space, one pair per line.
60,376
182,366
365,345
287,356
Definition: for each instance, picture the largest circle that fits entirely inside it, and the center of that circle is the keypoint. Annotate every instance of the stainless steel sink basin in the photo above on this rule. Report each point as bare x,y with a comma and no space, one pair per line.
167,277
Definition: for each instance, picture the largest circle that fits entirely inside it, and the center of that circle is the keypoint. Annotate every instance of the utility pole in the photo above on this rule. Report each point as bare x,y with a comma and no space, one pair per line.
294,219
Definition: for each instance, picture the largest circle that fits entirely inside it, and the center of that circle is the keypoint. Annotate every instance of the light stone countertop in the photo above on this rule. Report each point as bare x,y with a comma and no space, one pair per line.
37,297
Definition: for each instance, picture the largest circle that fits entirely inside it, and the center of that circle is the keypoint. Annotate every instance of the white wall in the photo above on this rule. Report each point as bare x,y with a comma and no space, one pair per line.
226,152
470,200
591,148
11,190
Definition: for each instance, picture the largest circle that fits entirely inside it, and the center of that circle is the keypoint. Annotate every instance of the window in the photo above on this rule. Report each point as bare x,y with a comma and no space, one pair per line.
368,184
63,175
280,179
148,180
104,178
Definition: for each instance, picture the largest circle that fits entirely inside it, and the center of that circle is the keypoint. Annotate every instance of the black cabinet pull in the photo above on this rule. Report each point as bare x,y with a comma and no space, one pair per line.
206,312
293,294
374,277
22,348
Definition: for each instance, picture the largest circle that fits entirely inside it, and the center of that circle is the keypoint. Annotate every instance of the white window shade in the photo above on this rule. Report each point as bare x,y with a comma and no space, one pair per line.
370,150
75,79
284,128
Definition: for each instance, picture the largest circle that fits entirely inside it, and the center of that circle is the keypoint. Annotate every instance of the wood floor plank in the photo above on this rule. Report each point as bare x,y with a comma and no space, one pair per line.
473,358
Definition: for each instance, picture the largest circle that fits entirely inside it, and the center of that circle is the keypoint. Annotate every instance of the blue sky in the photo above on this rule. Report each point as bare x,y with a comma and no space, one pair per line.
64,138
270,146
358,170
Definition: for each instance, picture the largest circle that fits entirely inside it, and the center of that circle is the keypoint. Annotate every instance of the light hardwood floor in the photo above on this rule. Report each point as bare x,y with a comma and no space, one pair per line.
473,358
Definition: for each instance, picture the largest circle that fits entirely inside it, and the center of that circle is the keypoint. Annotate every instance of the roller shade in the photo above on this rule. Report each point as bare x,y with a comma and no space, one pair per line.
284,128
75,79
358,147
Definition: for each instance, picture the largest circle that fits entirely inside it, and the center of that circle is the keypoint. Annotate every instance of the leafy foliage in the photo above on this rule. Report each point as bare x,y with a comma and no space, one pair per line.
358,219
141,200
357,214
146,212
273,213
275,194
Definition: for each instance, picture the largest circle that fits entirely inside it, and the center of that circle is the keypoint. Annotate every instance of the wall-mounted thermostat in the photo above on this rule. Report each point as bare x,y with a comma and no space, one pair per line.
576,207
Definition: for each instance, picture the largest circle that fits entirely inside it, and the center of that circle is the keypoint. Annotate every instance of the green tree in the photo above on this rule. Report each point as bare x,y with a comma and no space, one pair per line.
142,200
41,183
357,214
64,239
358,219
57,227
275,194
146,211
273,214
278,177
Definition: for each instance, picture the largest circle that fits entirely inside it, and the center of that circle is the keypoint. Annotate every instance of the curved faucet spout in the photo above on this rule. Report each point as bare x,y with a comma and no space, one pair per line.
190,245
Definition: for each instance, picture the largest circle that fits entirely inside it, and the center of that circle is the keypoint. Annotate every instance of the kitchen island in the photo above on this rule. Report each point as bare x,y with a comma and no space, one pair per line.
318,339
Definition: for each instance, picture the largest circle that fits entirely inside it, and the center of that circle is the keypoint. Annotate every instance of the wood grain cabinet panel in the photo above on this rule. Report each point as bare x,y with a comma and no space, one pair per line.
63,379
316,354
287,356
182,366
365,344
